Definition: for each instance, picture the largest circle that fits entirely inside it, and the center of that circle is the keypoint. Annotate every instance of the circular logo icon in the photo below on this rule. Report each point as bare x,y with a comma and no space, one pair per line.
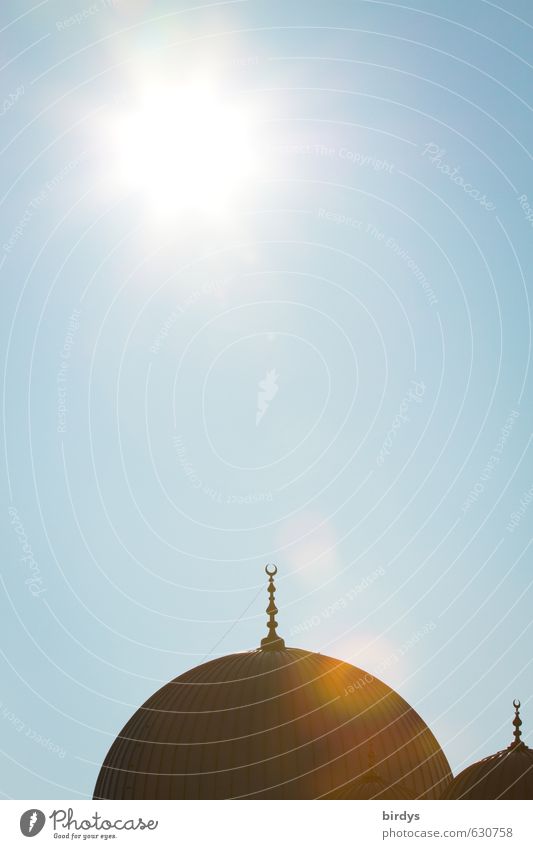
32,822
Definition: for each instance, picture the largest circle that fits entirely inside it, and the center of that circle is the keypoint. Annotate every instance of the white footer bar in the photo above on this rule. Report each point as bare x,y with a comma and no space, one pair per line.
266,825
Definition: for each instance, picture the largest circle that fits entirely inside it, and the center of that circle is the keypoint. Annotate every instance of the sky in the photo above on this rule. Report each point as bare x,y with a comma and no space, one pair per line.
266,276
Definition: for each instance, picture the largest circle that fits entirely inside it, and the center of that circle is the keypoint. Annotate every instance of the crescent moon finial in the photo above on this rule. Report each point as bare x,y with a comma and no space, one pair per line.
517,722
272,641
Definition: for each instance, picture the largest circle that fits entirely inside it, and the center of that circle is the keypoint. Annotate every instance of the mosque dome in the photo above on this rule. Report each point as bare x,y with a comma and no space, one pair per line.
506,775
274,723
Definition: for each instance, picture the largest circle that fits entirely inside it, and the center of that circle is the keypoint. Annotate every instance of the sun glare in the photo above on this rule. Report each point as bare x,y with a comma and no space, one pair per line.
185,149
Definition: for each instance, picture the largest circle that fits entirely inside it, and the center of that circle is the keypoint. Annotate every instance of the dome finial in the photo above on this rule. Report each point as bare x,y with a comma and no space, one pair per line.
517,722
272,641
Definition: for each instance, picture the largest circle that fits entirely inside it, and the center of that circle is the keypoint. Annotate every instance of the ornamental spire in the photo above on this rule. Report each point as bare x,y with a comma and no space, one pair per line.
517,722
272,641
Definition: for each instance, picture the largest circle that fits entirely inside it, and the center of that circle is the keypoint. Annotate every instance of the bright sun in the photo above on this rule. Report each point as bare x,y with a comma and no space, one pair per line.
185,149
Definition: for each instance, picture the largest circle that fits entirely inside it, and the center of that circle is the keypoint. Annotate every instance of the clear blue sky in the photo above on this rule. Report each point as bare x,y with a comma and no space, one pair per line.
334,375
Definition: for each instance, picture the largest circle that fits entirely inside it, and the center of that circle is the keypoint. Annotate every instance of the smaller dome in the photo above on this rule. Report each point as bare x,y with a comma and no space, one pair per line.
506,775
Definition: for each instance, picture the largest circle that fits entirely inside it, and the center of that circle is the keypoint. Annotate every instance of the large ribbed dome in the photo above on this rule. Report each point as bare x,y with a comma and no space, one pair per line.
506,775
285,724
275,723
